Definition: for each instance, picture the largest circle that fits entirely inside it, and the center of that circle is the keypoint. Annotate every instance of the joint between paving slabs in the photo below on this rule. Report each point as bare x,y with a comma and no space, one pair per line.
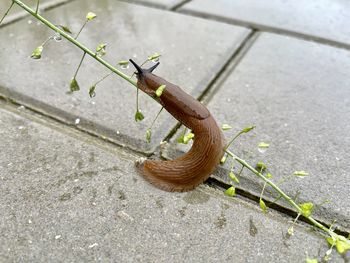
179,5
228,67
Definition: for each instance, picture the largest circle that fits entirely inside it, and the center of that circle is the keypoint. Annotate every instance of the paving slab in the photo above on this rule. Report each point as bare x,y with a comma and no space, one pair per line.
85,202
168,4
325,19
17,12
297,94
130,31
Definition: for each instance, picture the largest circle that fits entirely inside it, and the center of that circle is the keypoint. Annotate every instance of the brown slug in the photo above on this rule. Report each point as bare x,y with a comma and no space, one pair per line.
191,169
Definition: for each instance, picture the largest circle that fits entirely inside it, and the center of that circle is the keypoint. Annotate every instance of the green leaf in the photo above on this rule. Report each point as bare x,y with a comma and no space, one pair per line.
247,129
160,90
65,29
90,16
188,137
154,56
268,175
328,254
123,62
37,52
311,260
226,127
301,173
263,145
74,86
223,159
148,135
263,205
92,92
290,231
306,209
331,240
261,166
139,116
233,177
230,191
101,49
181,138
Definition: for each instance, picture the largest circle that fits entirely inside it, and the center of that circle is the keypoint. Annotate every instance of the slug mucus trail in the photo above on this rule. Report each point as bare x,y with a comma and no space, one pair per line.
194,167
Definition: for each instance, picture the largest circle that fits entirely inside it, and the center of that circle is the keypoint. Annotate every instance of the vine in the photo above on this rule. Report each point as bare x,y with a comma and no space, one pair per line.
341,243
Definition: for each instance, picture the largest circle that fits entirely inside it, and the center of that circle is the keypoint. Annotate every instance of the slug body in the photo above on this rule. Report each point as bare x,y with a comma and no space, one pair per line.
194,167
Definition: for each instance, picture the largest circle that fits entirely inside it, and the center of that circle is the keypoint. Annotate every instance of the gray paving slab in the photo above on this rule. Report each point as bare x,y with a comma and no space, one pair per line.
168,4
130,31
66,197
17,12
325,19
297,94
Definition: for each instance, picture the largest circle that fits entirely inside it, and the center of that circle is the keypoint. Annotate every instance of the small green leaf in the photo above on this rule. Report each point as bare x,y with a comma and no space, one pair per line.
263,205
65,29
328,254
306,209
37,52
74,86
233,177
154,56
188,137
160,90
268,175
290,231
148,135
263,145
226,127
247,129
311,260
181,138
301,173
123,62
223,159
261,166
331,240
101,49
92,92
230,191
90,16
139,116
341,243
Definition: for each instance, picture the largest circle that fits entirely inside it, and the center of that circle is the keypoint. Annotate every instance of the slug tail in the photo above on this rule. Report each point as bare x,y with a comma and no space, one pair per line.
191,169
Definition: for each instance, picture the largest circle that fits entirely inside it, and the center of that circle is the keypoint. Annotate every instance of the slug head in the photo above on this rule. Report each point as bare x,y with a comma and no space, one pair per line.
144,76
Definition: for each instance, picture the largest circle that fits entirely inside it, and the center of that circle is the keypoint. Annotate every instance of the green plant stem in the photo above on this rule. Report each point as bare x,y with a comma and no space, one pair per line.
232,140
47,41
7,11
81,62
156,117
37,7
262,192
137,98
103,78
75,42
81,29
283,194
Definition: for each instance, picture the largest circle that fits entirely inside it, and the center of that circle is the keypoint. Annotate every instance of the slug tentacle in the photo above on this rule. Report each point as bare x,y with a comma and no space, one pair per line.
194,167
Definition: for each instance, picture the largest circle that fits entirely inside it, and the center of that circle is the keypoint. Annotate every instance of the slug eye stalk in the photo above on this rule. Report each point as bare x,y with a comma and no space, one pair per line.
141,71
